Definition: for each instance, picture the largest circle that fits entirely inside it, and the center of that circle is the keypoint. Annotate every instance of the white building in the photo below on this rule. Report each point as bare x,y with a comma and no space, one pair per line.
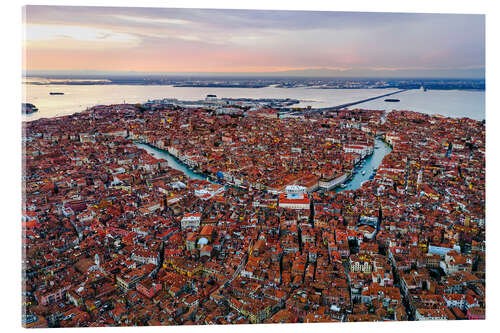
209,191
455,300
145,257
363,150
191,221
295,189
294,198
441,250
430,314
391,138
329,183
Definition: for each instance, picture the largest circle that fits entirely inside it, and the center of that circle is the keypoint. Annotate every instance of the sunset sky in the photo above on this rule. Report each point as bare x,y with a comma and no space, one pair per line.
114,39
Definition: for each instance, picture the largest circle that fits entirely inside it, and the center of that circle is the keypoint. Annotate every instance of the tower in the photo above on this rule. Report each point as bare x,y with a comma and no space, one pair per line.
97,260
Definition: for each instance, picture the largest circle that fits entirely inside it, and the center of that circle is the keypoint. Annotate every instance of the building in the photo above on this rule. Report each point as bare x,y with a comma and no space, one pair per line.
129,279
54,294
295,197
191,221
430,314
148,287
363,150
442,250
327,183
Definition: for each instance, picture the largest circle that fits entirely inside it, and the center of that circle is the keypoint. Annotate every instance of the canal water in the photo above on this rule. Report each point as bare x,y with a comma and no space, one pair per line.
371,163
173,162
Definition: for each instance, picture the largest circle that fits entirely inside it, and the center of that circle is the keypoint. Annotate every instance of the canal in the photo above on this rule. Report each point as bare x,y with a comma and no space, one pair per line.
362,173
173,162
366,170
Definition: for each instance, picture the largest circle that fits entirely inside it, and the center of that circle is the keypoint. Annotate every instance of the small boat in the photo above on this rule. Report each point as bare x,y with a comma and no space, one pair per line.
56,93
343,186
393,100
363,172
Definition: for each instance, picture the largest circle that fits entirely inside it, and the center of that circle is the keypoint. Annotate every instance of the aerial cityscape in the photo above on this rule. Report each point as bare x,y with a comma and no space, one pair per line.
175,174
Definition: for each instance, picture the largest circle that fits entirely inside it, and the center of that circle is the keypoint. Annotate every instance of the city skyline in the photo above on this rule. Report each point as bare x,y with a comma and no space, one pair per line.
215,41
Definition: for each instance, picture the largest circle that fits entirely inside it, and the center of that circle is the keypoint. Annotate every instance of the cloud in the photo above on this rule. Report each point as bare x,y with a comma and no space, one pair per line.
52,33
153,21
221,40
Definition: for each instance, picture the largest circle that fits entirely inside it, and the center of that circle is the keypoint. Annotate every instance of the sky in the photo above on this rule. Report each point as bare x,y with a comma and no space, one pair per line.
61,39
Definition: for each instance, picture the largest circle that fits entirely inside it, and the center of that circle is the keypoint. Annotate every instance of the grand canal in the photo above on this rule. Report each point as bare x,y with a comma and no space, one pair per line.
362,173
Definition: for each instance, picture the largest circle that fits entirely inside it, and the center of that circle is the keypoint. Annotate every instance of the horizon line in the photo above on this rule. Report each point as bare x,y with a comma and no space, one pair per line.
473,73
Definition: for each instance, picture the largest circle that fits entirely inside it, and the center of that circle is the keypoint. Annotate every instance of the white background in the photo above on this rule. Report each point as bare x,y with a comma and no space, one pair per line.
10,179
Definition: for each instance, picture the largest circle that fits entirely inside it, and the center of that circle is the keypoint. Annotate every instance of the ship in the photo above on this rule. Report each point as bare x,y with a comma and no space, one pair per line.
56,93
28,108
391,100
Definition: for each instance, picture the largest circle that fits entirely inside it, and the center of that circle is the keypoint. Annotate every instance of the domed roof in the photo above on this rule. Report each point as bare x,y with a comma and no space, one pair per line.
202,241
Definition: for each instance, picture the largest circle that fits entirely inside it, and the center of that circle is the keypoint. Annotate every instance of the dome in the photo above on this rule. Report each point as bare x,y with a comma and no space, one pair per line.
202,241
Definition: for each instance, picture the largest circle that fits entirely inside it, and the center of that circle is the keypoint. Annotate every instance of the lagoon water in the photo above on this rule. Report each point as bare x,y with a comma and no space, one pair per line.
450,103
78,97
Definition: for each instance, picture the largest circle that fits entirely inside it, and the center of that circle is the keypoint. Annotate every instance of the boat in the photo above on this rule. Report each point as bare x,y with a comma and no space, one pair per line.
56,93
28,108
363,172
343,185
391,100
